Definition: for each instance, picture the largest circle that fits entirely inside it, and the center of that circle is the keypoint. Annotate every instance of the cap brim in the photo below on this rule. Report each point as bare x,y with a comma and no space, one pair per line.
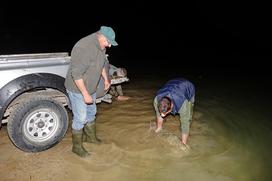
113,43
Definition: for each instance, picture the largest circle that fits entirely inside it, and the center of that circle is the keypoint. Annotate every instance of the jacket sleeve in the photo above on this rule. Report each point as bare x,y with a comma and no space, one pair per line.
155,104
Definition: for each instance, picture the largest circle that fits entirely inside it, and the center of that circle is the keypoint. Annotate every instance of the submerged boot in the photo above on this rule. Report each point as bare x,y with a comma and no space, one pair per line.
90,134
77,143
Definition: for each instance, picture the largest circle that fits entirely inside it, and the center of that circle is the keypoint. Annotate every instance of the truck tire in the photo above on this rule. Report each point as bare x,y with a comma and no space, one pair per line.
37,124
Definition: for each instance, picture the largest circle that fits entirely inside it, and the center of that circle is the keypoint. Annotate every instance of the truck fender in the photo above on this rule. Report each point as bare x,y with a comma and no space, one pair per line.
26,83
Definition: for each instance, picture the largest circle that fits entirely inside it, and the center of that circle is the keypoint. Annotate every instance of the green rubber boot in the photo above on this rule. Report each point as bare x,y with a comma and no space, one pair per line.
77,143
90,134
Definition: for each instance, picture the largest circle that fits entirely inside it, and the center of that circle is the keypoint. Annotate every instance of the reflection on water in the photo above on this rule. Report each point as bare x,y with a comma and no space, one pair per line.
229,140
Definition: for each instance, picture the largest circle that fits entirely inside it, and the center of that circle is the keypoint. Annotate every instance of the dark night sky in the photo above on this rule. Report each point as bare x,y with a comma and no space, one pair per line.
193,33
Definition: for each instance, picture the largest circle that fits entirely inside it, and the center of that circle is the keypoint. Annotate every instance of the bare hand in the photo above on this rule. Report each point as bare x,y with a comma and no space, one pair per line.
88,99
107,85
185,147
158,130
159,124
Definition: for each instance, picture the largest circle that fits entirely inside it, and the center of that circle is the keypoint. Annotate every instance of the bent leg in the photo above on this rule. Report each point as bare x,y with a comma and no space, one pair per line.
185,112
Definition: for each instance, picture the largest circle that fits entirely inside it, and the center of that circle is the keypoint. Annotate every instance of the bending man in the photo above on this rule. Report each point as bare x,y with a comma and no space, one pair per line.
176,97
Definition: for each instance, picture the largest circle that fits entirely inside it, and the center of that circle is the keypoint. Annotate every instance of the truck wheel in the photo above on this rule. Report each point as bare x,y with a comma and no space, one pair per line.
37,124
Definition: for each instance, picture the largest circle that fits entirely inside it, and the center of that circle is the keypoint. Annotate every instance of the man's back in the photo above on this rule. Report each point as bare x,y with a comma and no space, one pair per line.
178,90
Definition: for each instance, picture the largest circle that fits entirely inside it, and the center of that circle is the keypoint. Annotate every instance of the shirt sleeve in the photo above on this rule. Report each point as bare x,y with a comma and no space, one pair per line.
155,104
79,63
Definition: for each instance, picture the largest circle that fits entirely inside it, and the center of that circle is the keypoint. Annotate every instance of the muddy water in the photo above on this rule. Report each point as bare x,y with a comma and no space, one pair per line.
230,140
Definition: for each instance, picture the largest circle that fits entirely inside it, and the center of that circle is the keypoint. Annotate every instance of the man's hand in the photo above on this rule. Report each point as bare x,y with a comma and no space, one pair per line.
185,147
159,124
158,129
86,96
88,99
107,85
106,77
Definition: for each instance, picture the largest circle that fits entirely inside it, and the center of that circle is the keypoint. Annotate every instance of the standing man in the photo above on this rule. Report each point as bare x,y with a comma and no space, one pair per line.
87,66
176,97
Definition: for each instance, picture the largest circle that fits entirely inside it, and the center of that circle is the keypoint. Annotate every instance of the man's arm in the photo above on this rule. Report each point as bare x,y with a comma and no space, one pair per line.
79,65
159,119
81,86
106,78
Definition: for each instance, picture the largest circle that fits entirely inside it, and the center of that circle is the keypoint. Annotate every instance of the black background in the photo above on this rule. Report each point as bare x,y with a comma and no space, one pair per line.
160,36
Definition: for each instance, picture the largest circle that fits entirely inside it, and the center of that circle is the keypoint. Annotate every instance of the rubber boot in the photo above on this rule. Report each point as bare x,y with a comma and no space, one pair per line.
77,143
90,134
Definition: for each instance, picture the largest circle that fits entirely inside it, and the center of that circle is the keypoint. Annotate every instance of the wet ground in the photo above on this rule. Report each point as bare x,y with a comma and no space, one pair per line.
230,139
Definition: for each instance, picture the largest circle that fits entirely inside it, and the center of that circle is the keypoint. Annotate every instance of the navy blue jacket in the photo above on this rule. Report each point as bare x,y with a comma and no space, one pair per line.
178,90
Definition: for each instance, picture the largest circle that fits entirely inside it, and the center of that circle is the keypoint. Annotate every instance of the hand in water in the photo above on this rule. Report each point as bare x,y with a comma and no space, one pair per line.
185,147
158,129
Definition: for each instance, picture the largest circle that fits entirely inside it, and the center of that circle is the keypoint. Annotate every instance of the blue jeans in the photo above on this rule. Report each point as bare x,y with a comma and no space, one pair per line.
82,113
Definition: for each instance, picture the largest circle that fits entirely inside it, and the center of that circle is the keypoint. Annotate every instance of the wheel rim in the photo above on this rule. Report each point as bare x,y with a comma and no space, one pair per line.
40,125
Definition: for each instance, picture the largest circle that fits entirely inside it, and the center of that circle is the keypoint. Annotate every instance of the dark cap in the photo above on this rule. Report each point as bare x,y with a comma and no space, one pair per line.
109,34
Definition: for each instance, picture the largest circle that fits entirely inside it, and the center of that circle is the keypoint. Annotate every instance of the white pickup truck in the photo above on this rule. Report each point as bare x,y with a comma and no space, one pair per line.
33,99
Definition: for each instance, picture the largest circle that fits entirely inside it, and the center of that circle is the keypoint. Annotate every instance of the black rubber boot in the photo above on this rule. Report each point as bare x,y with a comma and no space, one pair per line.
77,144
90,134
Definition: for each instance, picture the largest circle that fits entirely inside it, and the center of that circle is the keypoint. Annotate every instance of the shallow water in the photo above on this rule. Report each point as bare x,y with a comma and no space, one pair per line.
230,139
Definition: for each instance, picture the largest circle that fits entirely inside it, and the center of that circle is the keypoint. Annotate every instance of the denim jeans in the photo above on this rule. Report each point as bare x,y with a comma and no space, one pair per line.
82,113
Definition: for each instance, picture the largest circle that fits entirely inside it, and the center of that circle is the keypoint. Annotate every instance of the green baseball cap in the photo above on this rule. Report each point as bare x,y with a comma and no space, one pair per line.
109,34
